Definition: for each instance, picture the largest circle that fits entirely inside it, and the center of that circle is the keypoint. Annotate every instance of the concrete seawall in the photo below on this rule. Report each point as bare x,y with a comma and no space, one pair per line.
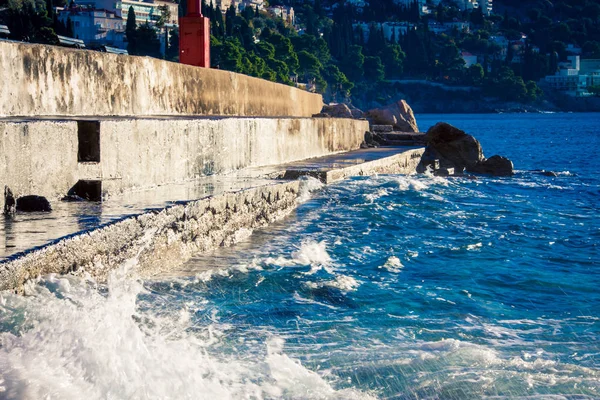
48,157
162,239
40,80
157,240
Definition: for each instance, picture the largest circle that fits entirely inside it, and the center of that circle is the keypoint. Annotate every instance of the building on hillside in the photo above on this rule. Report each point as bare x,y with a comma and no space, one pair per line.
225,4
573,49
486,5
285,13
391,30
4,31
470,59
145,11
502,42
95,27
149,12
422,4
575,76
438,27
357,3
255,4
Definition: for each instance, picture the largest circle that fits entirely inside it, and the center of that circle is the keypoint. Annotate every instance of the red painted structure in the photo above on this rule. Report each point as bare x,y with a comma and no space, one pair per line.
194,36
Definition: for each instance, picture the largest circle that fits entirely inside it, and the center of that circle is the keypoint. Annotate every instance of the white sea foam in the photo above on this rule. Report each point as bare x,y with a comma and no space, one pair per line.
307,186
393,264
342,282
372,197
73,342
474,246
313,253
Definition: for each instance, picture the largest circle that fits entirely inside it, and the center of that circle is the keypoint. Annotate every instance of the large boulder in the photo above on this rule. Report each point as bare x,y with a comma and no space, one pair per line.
453,147
356,112
33,203
337,111
495,165
456,149
399,115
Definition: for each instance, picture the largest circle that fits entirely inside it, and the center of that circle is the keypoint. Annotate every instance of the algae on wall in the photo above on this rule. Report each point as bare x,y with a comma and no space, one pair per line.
54,81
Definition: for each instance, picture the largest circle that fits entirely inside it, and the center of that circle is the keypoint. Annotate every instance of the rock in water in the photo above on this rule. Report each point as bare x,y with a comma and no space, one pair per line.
337,111
495,165
9,201
33,203
399,115
453,147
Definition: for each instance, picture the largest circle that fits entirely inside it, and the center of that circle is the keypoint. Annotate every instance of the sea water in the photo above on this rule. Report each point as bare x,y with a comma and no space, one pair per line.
390,286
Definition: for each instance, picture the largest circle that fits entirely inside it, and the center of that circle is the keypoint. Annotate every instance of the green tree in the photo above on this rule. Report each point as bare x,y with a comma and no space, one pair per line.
28,21
533,91
474,75
165,15
339,86
310,66
353,63
131,32
147,42
393,60
231,55
284,51
374,70
595,90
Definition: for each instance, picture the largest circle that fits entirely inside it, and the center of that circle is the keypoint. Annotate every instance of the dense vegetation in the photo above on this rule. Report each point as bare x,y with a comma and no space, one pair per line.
331,55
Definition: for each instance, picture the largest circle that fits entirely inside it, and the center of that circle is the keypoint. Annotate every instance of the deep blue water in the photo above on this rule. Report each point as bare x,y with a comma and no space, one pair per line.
403,287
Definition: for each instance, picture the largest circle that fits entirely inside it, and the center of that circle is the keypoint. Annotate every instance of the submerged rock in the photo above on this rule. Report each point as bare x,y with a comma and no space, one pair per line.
399,115
495,165
33,203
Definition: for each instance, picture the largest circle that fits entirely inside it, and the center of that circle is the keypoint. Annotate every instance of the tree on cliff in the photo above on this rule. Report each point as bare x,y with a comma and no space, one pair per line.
131,32
147,42
28,21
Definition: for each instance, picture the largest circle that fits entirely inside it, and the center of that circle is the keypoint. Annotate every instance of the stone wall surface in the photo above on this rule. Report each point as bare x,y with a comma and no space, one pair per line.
40,80
158,240
40,156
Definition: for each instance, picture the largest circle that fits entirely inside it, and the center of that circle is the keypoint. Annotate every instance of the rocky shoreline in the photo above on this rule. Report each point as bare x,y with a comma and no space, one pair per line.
449,151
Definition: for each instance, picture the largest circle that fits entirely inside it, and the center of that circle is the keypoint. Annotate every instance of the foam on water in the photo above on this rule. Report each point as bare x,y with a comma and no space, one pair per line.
71,339
389,286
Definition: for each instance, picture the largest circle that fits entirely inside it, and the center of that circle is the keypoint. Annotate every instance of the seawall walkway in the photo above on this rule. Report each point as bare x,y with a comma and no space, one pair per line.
161,228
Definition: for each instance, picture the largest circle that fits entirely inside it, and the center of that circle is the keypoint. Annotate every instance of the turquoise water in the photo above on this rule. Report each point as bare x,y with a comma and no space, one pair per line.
402,287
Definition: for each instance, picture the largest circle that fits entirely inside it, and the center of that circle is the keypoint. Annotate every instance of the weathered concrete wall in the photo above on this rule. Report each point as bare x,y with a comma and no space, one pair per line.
154,241
37,80
40,156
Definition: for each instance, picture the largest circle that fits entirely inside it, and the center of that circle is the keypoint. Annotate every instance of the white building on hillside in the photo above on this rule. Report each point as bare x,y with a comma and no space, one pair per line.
145,11
391,30
486,5
95,27
575,76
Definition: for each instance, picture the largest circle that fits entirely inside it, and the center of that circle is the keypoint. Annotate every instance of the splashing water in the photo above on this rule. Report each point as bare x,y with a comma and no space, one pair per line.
385,287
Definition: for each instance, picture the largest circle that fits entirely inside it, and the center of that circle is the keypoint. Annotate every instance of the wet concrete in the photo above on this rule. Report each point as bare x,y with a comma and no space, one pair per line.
164,227
335,167
25,232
